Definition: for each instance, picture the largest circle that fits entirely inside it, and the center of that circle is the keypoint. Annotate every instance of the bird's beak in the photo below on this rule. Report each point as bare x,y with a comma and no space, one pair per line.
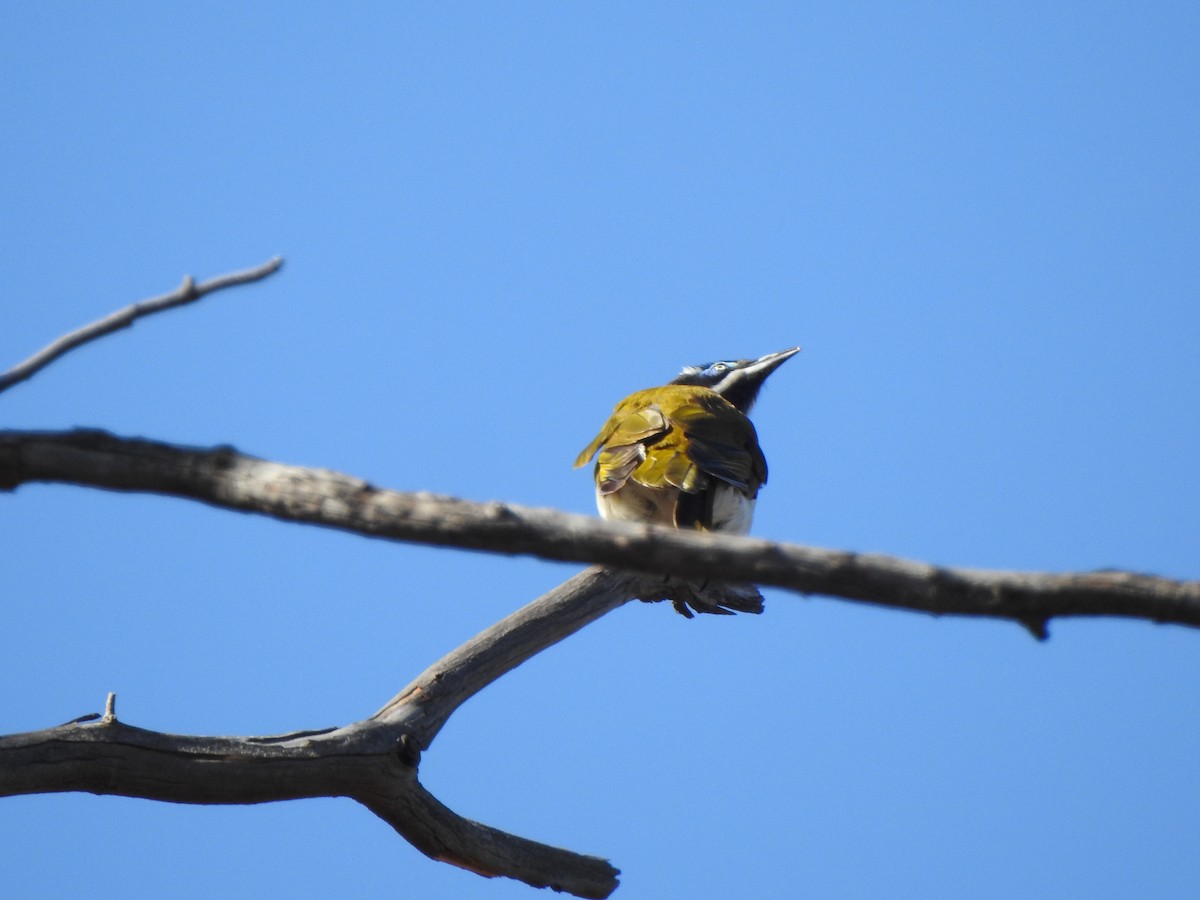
765,365
742,385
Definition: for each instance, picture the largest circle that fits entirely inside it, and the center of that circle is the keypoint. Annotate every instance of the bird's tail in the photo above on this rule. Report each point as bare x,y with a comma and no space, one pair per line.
722,598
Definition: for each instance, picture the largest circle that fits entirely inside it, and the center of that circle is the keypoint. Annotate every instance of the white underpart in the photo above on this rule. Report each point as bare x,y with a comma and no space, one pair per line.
732,510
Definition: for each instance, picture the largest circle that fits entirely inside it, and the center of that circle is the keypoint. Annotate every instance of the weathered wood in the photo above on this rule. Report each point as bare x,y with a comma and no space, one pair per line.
425,704
223,477
374,761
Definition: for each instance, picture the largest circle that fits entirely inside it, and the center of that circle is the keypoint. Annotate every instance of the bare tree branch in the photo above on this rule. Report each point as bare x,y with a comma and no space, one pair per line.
373,761
188,292
449,682
223,477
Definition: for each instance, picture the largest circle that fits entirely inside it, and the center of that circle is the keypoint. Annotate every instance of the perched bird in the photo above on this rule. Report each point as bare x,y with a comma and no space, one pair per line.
686,455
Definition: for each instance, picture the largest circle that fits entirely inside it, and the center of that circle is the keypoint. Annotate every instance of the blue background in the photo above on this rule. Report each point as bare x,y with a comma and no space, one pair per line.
981,221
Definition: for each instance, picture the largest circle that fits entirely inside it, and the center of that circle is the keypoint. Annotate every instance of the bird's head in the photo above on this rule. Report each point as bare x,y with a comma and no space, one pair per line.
737,380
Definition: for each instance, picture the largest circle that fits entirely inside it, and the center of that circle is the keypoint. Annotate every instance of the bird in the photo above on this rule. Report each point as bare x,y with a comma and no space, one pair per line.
686,455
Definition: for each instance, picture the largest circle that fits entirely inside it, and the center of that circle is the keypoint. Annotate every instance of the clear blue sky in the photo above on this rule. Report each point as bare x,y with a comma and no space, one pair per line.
981,221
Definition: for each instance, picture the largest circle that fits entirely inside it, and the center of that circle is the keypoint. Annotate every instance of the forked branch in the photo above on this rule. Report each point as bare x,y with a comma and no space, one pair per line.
374,761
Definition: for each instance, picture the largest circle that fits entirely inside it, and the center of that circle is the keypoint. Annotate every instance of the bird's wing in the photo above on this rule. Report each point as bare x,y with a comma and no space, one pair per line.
668,463
590,450
678,438
722,442
636,418
615,465
622,442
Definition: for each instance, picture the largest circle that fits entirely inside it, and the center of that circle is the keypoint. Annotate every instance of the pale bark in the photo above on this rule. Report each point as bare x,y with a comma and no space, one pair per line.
376,759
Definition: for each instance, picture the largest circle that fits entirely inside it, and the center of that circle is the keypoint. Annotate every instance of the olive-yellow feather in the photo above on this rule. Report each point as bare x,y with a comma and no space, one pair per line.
678,439
686,455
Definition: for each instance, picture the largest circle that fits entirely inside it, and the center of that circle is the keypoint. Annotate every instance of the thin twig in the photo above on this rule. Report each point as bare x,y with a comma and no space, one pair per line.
188,292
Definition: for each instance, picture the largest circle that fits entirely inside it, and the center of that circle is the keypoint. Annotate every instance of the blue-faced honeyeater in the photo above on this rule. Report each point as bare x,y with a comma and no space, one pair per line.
686,455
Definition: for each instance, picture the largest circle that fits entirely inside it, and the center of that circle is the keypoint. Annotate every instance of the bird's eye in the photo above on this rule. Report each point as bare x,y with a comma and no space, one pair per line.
719,368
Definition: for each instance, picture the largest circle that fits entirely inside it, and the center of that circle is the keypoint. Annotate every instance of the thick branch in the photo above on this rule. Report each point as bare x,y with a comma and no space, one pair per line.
188,292
373,761
225,478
